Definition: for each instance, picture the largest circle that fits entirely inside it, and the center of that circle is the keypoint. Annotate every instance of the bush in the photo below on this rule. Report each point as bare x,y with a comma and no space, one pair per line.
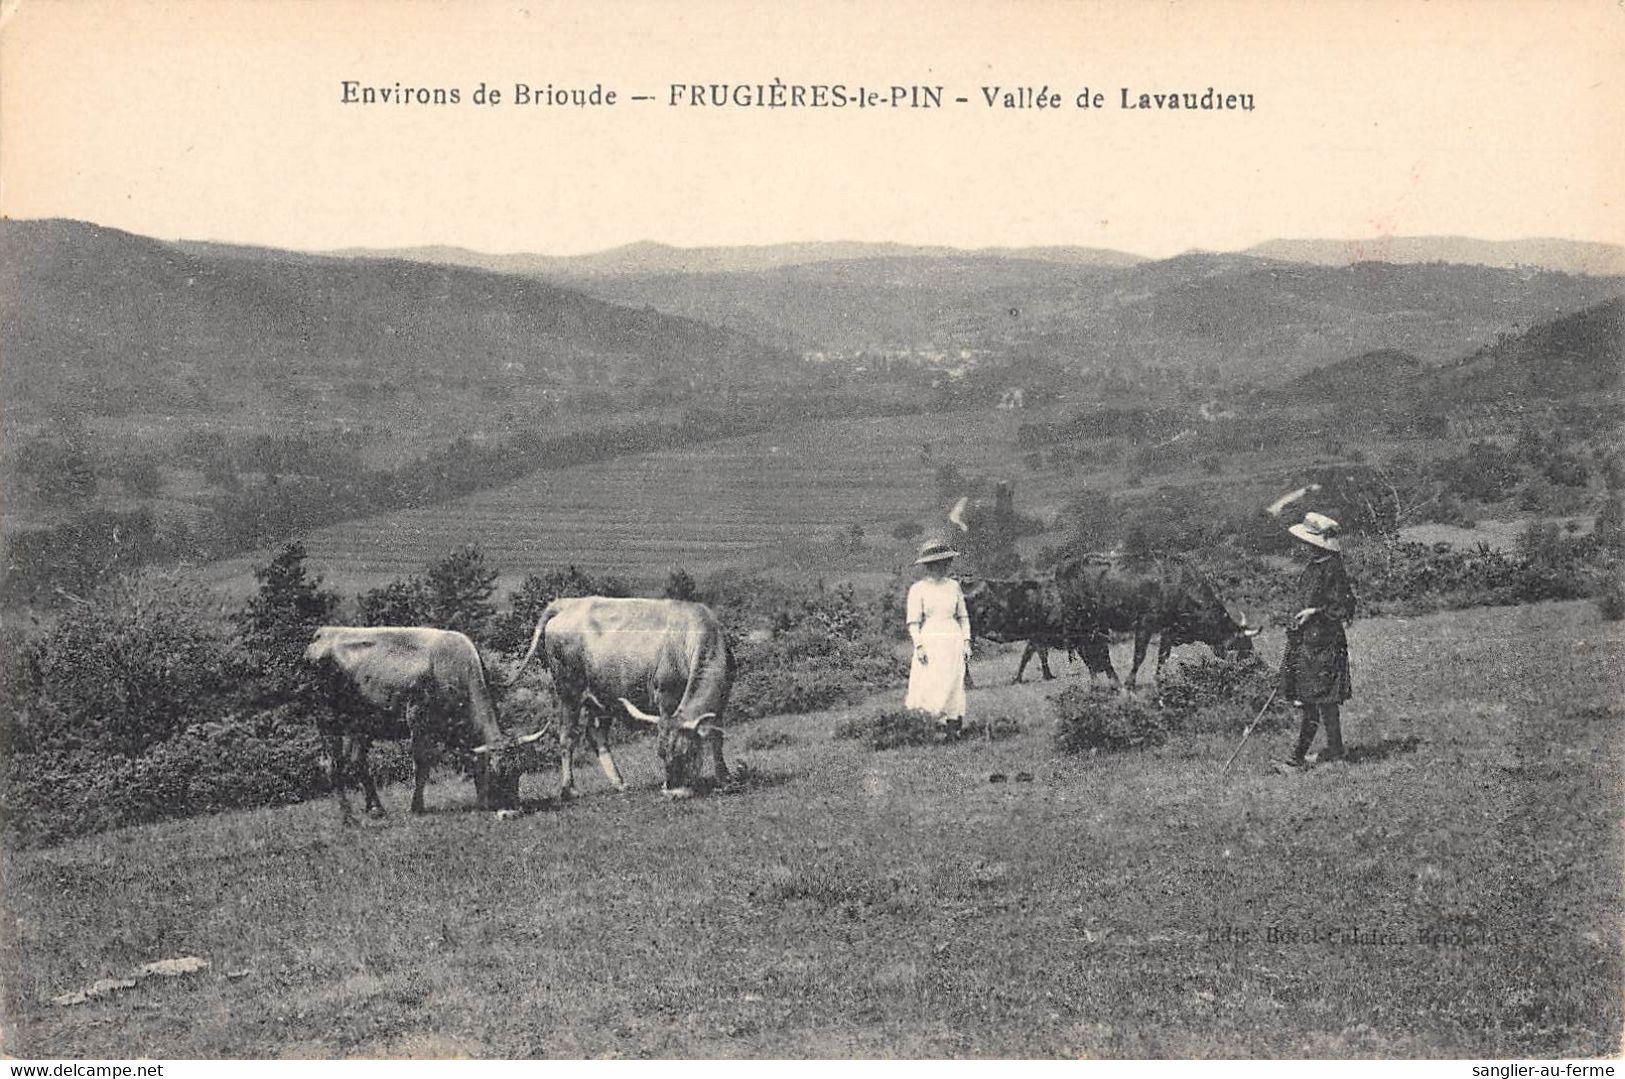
680,585
1218,695
1484,471
1002,726
800,646
1088,719
1611,600
892,728
131,666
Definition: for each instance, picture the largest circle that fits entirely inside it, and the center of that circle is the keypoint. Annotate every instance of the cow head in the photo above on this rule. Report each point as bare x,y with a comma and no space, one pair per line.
497,768
496,780
1234,635
679,742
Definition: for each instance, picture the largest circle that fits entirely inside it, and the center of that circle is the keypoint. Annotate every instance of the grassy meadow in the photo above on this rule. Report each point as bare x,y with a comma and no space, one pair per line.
1451,892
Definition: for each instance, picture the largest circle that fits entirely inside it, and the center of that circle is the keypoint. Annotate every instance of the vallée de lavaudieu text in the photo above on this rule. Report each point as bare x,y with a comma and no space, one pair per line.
787,95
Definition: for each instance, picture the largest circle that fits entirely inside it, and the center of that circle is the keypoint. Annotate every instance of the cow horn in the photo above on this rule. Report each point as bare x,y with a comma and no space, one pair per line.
694,724
527,739
482,749
637,714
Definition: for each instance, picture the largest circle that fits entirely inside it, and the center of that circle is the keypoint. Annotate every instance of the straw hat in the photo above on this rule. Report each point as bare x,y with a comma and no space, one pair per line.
935,552
1318,530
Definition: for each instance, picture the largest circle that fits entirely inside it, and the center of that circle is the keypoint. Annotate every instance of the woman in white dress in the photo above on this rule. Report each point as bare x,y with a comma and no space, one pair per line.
940,628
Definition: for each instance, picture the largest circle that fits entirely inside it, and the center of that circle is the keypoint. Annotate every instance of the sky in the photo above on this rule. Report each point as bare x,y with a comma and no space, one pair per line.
1497,119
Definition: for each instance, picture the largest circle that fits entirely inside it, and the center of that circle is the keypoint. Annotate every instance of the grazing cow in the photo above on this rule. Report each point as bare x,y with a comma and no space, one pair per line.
408,682
1174,601
660,656
1034,611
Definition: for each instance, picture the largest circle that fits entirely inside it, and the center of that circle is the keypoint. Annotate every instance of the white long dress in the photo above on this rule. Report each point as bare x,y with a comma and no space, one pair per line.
940,627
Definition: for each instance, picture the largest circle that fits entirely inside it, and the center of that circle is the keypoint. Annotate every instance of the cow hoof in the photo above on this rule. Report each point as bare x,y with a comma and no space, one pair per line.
377,812
568,794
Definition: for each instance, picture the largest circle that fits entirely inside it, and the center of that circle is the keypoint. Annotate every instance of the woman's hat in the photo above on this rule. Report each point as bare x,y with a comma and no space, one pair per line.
1318,530
935,552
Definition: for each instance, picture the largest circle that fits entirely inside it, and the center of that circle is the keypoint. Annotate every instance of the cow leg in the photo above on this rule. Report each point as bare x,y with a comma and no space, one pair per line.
598,729
718,765
375,805
1097,656
1164,646
1142,640
339,774
422,756
569,733
1021,668
1043,661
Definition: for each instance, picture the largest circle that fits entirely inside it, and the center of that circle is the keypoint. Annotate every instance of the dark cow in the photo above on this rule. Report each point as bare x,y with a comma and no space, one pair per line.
1034,611
408,682
665,661
1173,600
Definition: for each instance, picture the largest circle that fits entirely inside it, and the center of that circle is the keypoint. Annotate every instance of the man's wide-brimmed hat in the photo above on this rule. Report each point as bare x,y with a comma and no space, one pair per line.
1318,530
935,552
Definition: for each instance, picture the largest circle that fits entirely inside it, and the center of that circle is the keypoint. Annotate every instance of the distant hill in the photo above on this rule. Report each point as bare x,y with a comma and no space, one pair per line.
100,319
654,258
1582,354
1250,317
1376,379
1566,256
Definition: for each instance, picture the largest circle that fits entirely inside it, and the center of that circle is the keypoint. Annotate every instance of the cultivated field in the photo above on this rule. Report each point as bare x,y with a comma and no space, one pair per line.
702,507
777,498
1454,891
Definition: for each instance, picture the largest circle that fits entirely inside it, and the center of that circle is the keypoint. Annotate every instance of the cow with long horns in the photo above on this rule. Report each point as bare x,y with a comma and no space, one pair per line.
1172,600
665,662
409,682
1033,610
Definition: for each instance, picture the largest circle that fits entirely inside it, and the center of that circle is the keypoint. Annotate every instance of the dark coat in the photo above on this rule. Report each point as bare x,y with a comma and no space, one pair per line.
1315,668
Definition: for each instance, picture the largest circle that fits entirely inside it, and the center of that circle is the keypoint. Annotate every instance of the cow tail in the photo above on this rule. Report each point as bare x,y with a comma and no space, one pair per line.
535,640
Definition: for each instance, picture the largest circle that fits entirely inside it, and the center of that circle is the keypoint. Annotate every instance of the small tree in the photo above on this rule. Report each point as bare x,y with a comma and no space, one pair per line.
680,584
459,588
278,622
402,602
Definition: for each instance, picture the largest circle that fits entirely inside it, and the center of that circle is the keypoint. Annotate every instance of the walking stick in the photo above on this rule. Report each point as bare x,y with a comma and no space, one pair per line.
1244,734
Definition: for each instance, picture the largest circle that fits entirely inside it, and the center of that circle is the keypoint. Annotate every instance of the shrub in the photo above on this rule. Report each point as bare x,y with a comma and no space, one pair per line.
1484,471
1218,695
800,646
1089,719
1002,726
892,728
131,666
680,585
1611,600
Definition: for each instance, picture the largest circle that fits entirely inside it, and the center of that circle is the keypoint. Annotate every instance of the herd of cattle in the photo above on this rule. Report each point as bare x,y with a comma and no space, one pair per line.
667,664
